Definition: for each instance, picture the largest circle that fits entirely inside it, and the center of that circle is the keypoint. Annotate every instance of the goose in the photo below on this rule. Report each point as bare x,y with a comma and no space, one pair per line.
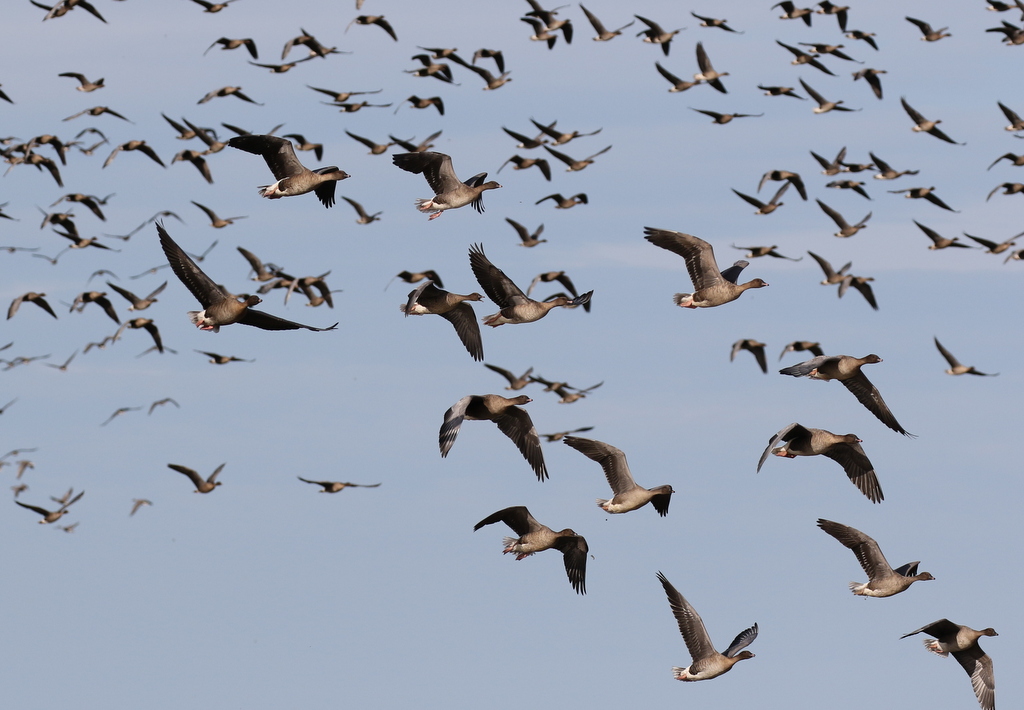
603,35
883,580
847,370
427,298
843,449
202,486
514,422
755,348
516,306
449,191
955,368
51,516
706,662
293,178
535,537
628,495
962,642
336,486
219,307
711,286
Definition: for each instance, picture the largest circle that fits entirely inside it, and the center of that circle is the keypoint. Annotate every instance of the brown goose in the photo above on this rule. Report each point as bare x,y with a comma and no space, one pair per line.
564,203
31,297
628,495
364,216
755,348
845,228
764,207
654,34
516,306
923,125
227,43
453,307
801,346
219,306
449,191
514,382
707,662
886,171
955,368
962,642
927,33
521,163
513,422
843,449
525,238
780,175
51,516
939,241
711,286
201,486
336,486
293,178
603,34
847,370
883,580
535,537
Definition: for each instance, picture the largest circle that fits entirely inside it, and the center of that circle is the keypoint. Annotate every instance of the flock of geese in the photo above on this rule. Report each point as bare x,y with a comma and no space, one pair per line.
714,284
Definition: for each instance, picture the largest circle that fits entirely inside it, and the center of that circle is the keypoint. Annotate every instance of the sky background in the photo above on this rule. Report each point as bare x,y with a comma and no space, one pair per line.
267,594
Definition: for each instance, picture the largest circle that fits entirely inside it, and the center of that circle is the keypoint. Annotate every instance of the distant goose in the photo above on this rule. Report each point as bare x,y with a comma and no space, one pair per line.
724,118
564,203
764,207
654,34
923,125
871,77
824,105
707,72
202,486
525,238
939,241
827,8
755,348
792,12
845,228
955,368
803,57
50,516
927,193
336,486
780,175
886,172
712,22
928,34
603,35
801,346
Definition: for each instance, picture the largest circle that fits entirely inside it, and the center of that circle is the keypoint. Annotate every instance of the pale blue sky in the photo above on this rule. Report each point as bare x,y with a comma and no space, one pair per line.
266,594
